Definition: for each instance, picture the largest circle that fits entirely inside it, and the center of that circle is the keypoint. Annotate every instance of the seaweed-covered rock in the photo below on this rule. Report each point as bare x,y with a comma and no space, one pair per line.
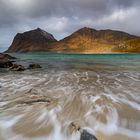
16,67
34,66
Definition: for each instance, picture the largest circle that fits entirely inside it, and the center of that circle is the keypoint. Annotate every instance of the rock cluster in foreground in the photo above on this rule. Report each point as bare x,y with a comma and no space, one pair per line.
7,61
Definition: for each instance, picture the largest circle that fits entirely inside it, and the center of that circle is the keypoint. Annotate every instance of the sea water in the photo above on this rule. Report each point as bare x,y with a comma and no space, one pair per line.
99,93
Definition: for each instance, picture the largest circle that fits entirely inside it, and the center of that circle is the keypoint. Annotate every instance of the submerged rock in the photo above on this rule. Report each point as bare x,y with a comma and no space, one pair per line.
34,66
31,101
87,136
16,67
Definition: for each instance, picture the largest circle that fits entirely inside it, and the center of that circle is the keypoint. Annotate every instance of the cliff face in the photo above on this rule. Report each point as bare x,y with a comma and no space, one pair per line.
31,41
85,40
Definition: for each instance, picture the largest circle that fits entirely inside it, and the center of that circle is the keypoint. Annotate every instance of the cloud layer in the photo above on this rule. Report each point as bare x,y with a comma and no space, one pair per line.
62,17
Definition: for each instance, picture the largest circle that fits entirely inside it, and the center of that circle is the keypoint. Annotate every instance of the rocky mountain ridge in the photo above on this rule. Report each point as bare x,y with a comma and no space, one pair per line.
85,40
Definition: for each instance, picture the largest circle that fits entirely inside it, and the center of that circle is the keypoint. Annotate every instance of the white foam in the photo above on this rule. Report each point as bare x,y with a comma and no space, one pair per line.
9,122
87,84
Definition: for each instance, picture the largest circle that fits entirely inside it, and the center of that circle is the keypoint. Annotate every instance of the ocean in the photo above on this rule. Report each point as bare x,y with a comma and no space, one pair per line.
99,93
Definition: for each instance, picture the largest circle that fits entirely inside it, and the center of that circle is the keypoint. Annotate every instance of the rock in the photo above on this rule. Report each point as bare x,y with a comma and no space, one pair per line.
5,61
6,56
16,67
75,126
34,66
87,136
32,101
84,134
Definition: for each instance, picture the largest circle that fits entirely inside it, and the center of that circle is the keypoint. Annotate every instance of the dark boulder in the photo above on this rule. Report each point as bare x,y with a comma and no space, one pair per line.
16,67
34,66
5,60
5,63
87,136
6,56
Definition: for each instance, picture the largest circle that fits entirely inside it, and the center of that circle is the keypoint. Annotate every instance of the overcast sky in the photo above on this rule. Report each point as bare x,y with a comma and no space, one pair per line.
62,17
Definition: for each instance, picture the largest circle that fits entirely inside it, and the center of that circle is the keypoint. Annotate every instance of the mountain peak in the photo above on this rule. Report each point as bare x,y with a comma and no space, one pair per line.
84,29
33,40
38,34
38,29
45,34
87,28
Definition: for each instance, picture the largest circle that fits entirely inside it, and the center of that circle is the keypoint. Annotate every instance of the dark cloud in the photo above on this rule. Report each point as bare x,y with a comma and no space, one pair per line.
62,17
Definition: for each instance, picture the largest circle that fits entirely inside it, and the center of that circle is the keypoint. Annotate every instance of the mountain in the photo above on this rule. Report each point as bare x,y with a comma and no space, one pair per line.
85,40
31,41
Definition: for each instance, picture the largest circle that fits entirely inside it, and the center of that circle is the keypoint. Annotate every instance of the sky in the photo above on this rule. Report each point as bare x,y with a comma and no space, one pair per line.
62,17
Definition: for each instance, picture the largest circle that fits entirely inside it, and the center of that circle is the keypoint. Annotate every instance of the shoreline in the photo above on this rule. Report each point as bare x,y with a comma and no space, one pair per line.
71,53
